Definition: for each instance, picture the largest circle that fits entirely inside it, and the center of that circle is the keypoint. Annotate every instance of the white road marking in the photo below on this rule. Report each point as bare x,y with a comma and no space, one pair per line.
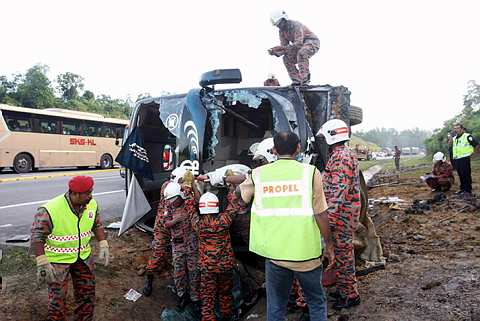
44,201
6,225
109,177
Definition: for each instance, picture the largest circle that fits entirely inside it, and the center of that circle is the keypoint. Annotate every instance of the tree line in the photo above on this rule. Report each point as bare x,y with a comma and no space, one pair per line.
35,90
390,137
469,118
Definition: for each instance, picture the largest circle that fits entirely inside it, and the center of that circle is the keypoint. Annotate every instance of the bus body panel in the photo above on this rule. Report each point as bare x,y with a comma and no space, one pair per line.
55,147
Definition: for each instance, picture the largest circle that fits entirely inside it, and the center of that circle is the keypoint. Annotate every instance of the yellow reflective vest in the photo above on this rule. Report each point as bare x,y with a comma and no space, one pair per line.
462,147
70,236
282,225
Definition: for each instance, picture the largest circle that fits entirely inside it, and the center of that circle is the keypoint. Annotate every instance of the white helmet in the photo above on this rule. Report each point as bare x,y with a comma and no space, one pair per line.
438,156
334,131
278,15
177,173
173,189
253,148
264,149
208,204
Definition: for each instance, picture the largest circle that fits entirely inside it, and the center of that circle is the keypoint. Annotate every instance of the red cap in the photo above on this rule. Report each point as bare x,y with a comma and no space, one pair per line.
80,184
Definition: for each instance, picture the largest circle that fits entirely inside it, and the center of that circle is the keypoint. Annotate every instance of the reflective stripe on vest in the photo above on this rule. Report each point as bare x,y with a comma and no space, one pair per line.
282,225
462,147
70,236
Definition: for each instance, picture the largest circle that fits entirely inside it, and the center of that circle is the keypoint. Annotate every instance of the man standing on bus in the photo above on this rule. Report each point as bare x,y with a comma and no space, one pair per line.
61,234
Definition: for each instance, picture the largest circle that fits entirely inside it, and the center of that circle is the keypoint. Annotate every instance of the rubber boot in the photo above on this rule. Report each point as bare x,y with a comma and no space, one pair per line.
183,301
197,308
147,288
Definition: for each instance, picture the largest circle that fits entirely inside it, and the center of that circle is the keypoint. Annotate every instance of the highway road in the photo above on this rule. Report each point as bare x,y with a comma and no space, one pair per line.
21,195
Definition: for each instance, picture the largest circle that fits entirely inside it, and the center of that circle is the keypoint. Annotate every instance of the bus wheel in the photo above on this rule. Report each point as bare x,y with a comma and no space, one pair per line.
22,163
1,169
106,161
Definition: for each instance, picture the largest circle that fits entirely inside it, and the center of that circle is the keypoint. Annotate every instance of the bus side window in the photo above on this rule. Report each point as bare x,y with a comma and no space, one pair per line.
48,127
92,129
20,125
18,121
108,131
70,128
13,124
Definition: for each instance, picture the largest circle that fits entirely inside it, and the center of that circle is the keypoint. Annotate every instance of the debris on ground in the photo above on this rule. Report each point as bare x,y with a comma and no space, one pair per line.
431,285
370,267
418,207
418,237
384,179
132,295
392,177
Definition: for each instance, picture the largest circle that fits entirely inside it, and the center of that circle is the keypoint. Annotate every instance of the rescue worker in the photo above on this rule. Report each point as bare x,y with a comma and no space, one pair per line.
216,254
186,275
61,234
161,235
342,190
441,179
262,155
271,81
396,156
463,147
289,203
297,45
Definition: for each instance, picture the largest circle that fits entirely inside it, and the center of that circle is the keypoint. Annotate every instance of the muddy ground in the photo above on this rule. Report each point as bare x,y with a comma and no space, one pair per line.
432,272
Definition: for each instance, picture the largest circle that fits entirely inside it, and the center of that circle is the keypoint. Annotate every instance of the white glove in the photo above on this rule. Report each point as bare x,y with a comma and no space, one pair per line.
216,177
45,270
104,253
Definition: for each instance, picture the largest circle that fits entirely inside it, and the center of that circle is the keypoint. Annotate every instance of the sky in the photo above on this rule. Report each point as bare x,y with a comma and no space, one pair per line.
406,63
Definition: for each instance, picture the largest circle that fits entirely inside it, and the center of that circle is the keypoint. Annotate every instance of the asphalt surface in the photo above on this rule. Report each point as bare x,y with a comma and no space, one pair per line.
21,195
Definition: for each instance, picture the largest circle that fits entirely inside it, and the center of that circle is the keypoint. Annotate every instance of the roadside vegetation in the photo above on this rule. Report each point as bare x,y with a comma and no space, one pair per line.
35,90
390,164
469,117
372,147
389,137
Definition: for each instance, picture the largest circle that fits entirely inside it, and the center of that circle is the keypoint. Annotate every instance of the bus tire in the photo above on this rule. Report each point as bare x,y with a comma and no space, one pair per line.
356,115
106,161
1,169
22,163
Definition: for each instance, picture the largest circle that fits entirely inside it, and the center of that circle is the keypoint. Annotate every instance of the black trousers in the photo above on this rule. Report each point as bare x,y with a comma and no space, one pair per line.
462,165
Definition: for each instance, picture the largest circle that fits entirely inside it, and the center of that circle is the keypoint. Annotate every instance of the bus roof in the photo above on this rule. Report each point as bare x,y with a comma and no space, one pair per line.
66,113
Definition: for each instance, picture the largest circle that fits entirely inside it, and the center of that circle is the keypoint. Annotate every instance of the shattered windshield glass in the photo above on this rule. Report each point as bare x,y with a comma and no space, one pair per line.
214,109
216,105
251,98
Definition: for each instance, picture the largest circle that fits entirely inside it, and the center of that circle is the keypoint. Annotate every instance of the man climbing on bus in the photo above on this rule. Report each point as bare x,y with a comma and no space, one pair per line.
297,45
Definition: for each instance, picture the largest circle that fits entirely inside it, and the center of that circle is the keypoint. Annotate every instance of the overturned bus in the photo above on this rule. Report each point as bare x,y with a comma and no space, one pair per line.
208,128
